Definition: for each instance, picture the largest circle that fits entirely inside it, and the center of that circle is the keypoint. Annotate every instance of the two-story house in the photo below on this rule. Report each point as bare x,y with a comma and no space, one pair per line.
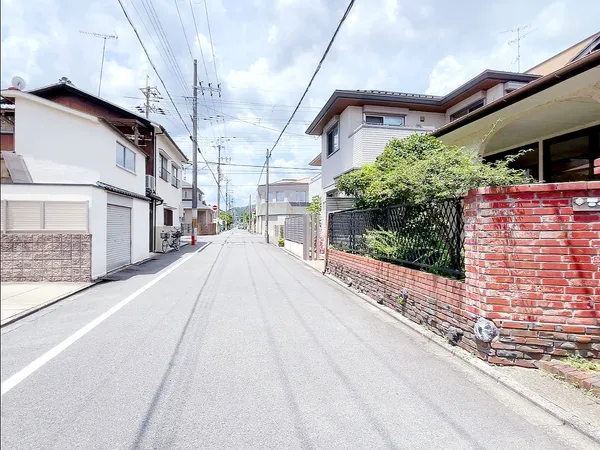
169,162
73,194
355,126
553,110
207,225
287,197
151,138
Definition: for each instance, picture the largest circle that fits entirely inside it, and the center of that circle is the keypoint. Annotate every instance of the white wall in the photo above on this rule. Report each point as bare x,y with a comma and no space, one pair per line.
494,93
294,247
340,161
68,148
315,188
164,189
370,141
97,211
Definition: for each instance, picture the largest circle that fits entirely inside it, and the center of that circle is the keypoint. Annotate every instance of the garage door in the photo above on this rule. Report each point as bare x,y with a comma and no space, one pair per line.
118,237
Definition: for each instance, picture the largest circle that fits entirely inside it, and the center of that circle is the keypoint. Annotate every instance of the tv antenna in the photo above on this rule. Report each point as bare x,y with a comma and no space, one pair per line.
105,37
517,41
18,83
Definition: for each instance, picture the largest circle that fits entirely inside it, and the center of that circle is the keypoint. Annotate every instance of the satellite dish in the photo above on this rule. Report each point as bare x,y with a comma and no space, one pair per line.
19,83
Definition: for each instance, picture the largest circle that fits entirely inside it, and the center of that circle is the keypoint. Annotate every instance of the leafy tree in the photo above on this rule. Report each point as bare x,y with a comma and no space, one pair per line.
421,169
226,218
315,205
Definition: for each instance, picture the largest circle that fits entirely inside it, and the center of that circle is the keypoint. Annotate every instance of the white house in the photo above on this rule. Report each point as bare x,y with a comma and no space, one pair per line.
168,185
73,172
355,126
287,197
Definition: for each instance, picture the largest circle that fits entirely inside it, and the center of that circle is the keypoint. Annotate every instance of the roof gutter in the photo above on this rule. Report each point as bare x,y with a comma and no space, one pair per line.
532,88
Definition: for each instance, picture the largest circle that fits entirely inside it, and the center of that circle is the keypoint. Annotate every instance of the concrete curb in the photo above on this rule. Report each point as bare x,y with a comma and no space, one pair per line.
34,309
561,414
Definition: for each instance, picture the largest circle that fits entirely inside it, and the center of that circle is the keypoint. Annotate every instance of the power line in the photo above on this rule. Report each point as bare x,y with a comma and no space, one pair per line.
151,63
258,165
350,5
183,29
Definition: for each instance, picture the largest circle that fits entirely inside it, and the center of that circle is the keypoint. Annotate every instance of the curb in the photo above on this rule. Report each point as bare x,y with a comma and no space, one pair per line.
34,309
583,380
561,414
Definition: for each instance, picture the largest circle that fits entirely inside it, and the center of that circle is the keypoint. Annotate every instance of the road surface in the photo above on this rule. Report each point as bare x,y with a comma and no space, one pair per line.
241,346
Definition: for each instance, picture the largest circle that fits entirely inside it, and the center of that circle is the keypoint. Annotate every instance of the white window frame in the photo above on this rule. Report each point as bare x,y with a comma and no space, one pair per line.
383,119
122,148
174,175
334,128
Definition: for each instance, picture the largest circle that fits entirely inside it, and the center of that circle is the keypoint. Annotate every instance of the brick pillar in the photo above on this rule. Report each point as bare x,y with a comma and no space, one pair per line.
533,267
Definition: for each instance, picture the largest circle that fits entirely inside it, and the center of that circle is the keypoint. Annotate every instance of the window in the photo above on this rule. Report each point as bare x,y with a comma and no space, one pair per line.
463,112
528,161
280,196
185,193
333,140
175,175
125,158
390,121
168,217
571,157
164,173
300,196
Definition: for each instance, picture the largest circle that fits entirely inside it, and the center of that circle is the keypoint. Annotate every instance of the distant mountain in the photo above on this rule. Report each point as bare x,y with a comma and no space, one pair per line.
239,211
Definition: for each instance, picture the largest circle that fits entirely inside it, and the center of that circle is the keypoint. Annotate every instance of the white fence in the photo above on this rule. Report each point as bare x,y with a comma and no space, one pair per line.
24,216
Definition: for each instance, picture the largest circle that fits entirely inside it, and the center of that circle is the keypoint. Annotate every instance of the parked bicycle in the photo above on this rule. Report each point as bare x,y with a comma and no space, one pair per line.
171,239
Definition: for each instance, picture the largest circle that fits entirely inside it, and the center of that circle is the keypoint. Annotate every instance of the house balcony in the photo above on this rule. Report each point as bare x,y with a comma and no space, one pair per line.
369,140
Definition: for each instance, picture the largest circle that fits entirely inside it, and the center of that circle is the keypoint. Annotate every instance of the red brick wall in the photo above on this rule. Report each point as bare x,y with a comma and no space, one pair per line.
597,166
532,267
534,263
433,301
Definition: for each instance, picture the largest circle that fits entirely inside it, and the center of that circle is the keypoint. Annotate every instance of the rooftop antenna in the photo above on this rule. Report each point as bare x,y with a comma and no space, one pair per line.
517,41
105,37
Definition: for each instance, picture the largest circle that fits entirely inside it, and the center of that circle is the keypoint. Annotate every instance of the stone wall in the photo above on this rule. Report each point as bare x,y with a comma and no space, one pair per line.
45,257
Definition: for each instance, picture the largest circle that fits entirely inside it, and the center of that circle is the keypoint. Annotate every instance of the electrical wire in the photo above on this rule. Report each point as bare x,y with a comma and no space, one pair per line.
183,29
348,9
151,63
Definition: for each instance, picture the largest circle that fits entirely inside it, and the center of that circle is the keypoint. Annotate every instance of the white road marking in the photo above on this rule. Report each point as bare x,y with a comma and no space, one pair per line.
59,348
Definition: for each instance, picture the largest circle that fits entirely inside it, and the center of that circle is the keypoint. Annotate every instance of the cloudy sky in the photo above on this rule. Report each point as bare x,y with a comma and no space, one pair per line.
264,54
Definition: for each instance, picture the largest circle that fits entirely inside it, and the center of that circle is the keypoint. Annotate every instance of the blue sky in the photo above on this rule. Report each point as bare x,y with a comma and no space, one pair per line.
265,52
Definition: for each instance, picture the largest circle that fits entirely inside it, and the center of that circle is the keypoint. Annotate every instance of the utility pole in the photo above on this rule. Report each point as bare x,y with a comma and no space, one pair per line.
195,156
267,219
105,37
219,188
250,213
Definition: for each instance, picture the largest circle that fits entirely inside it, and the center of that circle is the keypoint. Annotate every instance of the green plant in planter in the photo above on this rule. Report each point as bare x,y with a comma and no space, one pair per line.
281,242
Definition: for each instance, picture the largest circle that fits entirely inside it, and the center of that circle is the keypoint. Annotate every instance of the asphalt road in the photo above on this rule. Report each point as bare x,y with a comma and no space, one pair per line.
241,346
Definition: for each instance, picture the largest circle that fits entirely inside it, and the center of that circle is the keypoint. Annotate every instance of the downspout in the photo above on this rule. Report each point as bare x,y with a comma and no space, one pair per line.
154,201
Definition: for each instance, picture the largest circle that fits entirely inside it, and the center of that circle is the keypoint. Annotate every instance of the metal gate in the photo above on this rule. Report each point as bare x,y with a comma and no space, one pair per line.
118,237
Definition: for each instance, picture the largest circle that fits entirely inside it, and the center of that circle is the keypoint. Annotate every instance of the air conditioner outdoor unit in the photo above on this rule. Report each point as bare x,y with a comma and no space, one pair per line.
150,183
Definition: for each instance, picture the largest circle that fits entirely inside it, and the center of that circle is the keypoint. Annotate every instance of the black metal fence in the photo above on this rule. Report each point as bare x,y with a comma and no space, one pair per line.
425,237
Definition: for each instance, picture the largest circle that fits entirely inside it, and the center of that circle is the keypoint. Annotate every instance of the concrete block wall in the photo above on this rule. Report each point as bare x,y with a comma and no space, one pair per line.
532,267
37,257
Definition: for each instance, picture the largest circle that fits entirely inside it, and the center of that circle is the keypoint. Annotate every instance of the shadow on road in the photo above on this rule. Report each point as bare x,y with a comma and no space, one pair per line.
156,263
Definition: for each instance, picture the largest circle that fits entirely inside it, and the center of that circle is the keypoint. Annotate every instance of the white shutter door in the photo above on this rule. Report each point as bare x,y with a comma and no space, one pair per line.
72,216
118,237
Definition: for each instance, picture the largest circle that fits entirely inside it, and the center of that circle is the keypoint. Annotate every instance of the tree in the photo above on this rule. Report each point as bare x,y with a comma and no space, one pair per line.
421,169
226,218
315,205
